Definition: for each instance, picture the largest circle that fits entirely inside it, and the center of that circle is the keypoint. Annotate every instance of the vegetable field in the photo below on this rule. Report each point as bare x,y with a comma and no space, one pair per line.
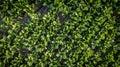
59,33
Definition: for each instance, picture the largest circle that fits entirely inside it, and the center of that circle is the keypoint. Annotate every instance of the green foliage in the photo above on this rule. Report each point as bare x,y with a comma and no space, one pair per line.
55,33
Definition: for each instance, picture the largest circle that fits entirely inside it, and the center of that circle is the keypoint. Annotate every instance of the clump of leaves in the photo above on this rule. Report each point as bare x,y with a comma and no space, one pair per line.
59,33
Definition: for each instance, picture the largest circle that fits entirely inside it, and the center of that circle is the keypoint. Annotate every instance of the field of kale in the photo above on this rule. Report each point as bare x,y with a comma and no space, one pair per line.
59,33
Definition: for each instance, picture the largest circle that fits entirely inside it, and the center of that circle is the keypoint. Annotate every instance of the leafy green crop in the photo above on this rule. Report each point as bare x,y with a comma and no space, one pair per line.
65,33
